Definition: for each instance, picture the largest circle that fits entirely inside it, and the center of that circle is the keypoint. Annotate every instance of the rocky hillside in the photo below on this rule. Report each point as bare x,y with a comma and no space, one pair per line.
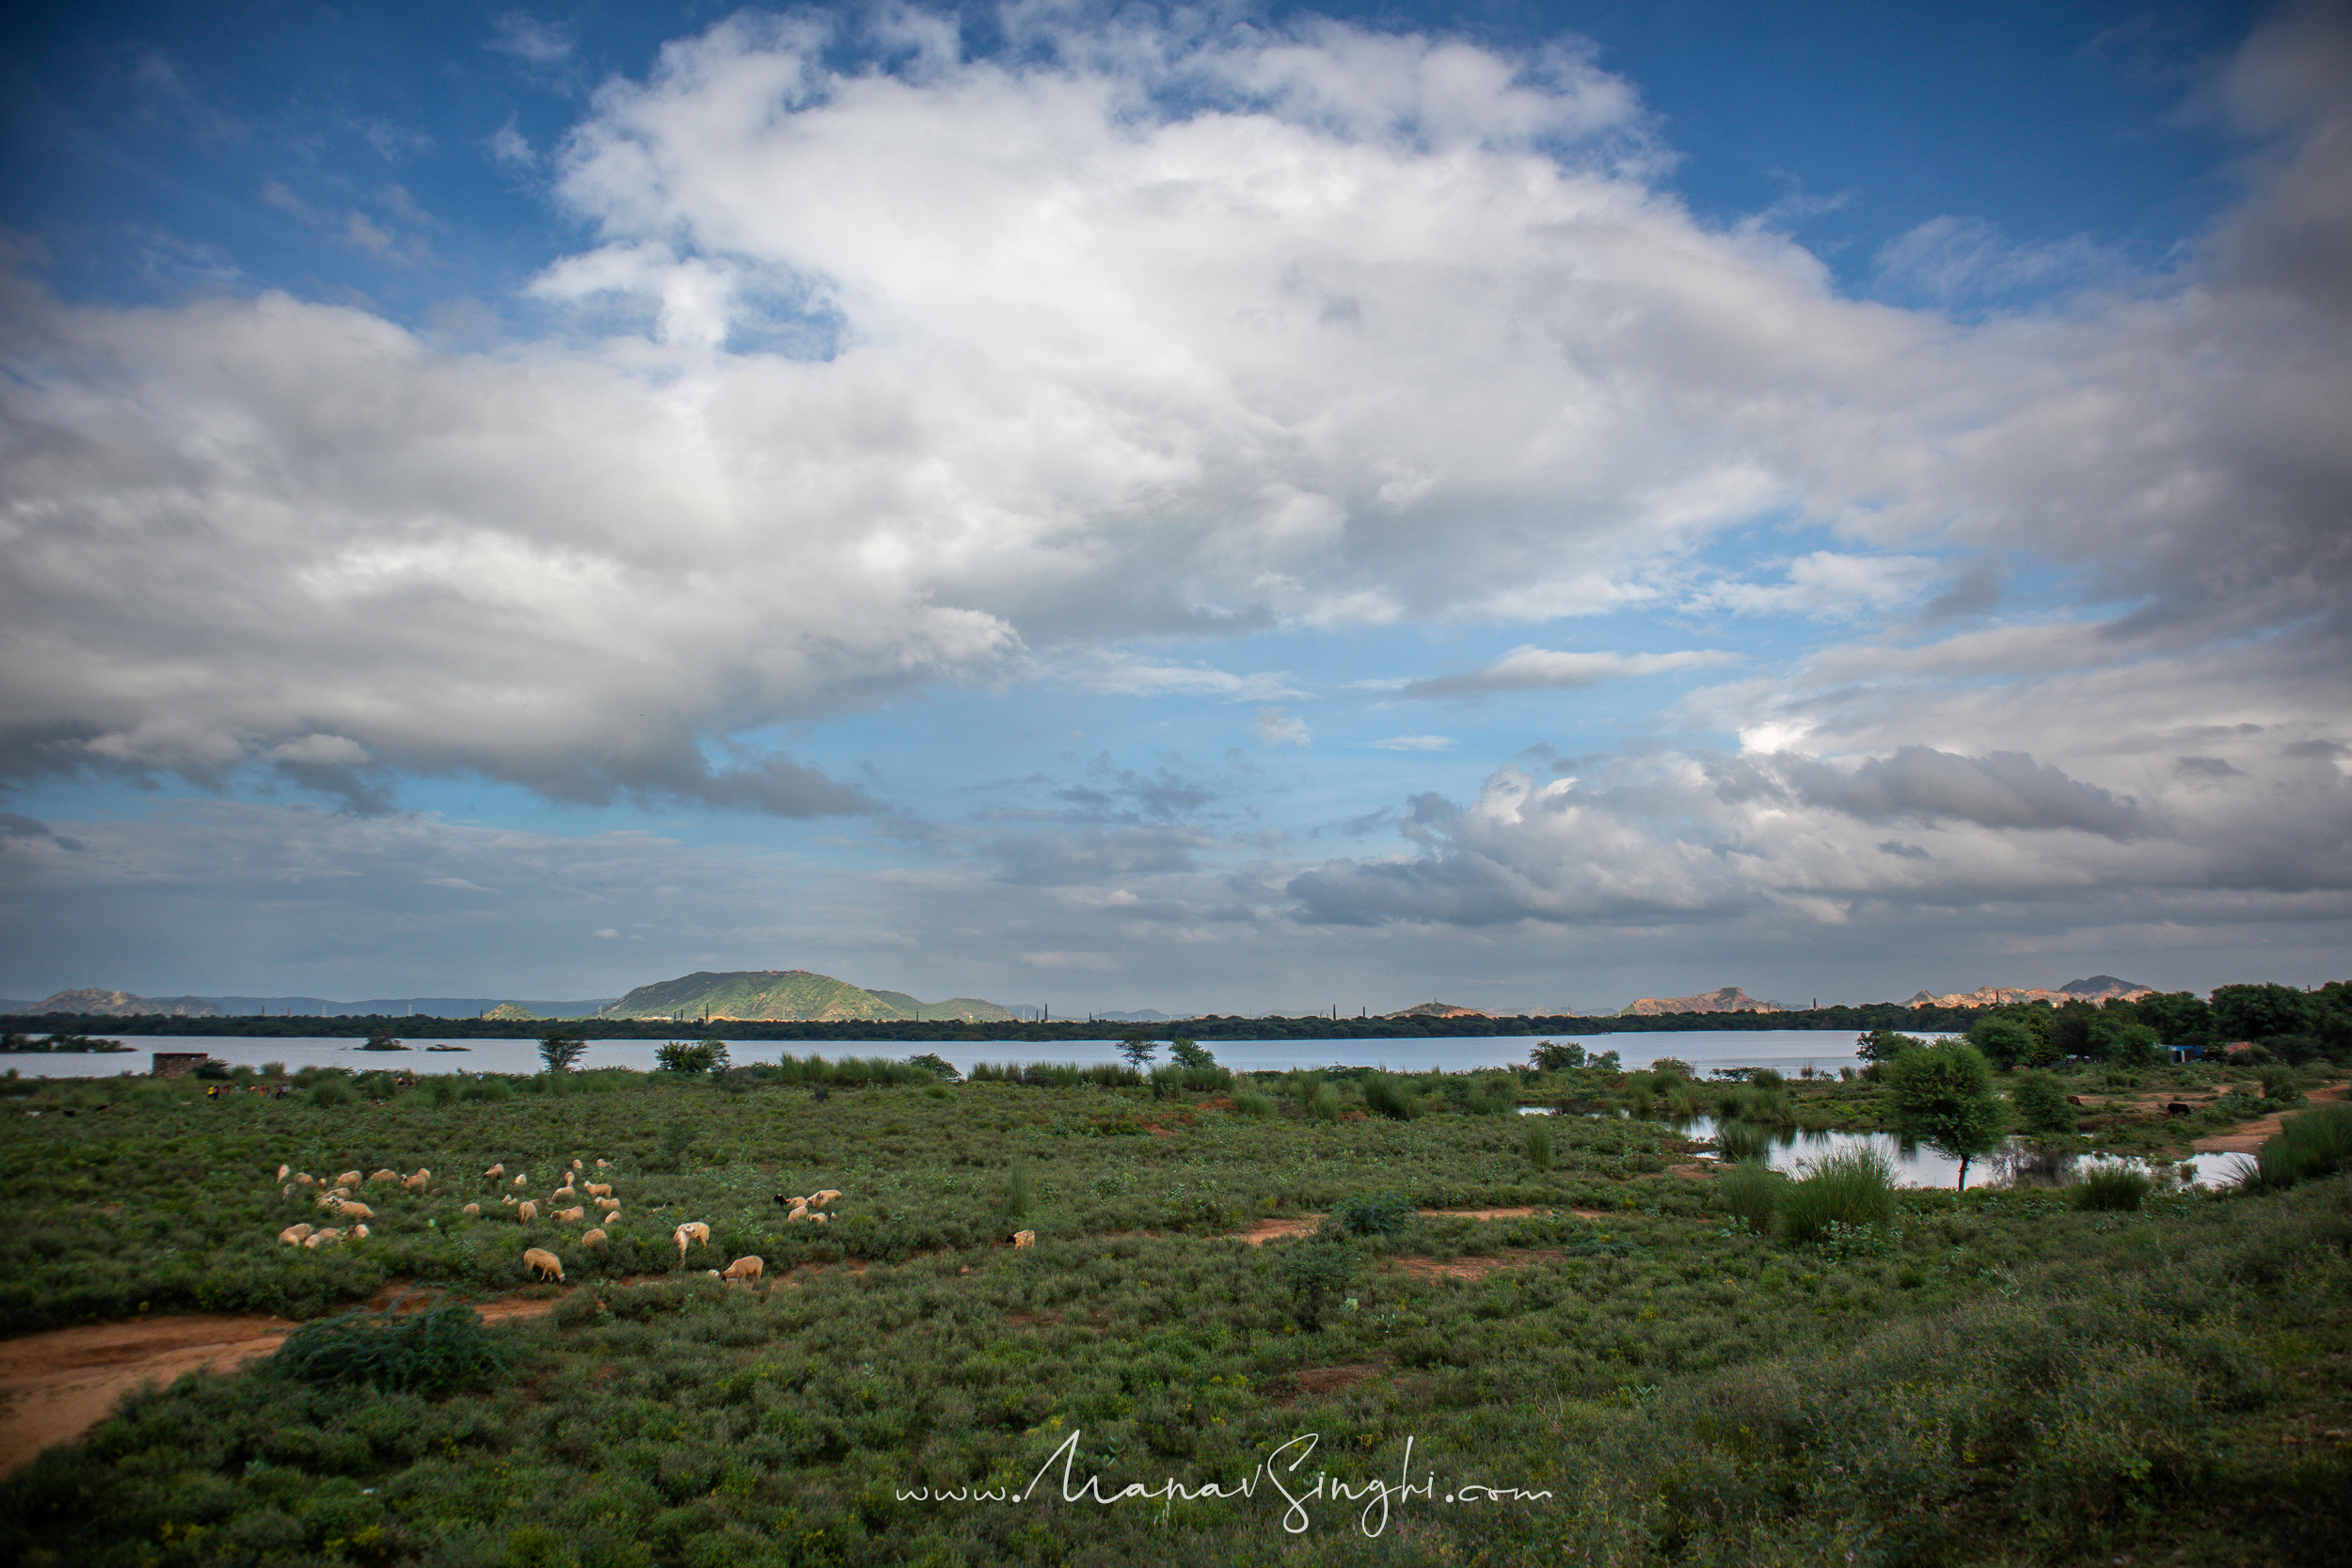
793,995
1731,999
121,1003
2099,988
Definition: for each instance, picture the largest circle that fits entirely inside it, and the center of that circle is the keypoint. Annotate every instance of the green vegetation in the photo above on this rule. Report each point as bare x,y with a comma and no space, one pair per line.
1850,1373
1943,1098
2111,1187
2042,1107
2310,1146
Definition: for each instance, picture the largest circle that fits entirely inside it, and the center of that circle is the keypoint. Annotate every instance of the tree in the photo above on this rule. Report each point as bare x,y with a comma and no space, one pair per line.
2006,1042
1884,1045
2041,1102
2179,1018
1943,1098
560,1050
1138,1048
1548,1057
2258,1012
1188,1054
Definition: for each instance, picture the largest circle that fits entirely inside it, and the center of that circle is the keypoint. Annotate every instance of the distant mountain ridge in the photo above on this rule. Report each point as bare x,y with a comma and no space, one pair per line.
90,1001
1436,1009
790,995
1731,999
98,1001
2098,987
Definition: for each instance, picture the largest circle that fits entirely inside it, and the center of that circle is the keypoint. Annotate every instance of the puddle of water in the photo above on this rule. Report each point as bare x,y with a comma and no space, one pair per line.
2015,1164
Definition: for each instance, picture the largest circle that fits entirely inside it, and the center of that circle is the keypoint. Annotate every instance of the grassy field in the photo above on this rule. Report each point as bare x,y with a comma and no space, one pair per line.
1738,1370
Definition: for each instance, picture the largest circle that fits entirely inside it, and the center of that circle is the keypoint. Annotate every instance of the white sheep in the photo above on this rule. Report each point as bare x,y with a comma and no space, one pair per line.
523,1181
385,1175
318,1239
349,1178
418,1182
508,1200
495,1172
576,1166
570,1217
693,1231
326,1200
822,1198
358,1231
612,1218
599,1189
284,1171
604,1164
526,1211
294,1235
797,1215
304,1179
1024,1237
542,1263
593,1238
471,1211
820,1219
745,1268
608,1203
354,1211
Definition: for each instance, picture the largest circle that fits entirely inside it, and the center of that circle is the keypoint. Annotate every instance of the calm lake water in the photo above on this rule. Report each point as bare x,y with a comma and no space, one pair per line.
1793,1149
1785,1049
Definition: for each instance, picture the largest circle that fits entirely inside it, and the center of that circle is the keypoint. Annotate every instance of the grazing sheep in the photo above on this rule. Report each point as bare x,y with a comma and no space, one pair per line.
542,1263
1024,1237
304,1179
570,1217
745,1268
820,1199
576,1166
471,1211
358,1231
508,1200
318,1239
294,1235
327,1200
604,1164
495,1172
526,1211
283,1171
385,1175
820,1219
599,1189
693,1231
612,1218
608,1203
354,1211
796,1216
418,1182
593,1238
523,1181
561,1194
349,1178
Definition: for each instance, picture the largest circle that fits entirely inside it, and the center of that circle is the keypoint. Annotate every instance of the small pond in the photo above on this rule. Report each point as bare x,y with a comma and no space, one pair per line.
2014,1164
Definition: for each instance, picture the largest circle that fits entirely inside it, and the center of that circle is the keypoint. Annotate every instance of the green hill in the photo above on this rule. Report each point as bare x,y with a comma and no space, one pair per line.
793,995
512,1010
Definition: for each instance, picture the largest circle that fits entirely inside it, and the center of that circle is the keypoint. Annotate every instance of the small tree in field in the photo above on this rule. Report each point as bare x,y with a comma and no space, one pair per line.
1138,1048
1943,1098
560,1050
2041,1102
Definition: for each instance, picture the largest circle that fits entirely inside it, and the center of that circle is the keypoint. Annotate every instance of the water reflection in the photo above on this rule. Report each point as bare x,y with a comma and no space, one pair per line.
2015,1164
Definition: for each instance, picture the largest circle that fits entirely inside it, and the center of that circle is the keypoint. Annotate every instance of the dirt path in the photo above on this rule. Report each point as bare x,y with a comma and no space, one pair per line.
1261,1231
2247,1137
59,1385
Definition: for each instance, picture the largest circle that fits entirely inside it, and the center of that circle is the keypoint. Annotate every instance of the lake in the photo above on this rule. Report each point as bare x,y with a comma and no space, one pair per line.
1705,1050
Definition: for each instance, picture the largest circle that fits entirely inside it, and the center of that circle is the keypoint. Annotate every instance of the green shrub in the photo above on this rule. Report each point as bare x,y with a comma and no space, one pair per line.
1315,1269
1742,1140
328,1093
1250,1103
1853,1187
1536,1140
1750,1192
432,1352
2309,1145
2041,1102
1323,1105
1392,1097
2111,1187
2279,1084
1373,1213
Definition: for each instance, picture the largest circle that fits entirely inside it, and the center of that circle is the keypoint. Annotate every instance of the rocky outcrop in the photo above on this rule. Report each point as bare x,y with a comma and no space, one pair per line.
2099,988
1731,999
91,1001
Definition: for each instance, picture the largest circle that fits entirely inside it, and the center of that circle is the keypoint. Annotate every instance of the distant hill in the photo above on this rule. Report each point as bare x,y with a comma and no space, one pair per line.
2099,988
1731,999
90,1001
1435,1009
512,1012
794,995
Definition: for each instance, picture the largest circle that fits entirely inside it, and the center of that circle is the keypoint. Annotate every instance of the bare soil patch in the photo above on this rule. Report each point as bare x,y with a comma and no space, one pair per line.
1472,1269
61,1384
1689,1173
1259,1232
2247,1137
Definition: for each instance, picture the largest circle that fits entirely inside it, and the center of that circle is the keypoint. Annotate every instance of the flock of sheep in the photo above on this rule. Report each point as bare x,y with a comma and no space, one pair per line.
342,1200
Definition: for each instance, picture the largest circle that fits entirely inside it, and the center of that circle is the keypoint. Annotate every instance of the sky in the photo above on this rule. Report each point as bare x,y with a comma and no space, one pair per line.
1206,508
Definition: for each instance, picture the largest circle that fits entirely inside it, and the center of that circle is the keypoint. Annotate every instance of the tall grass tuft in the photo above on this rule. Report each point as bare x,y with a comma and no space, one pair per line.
1017,1192
1750,1192
1742,1140
1536,1140
2307,1146
1323,1103
1390,1097
1373,1213
1250,1103
2111,1187
1853,1187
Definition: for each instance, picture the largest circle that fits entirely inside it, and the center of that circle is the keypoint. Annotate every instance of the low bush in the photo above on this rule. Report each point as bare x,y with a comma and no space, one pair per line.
1373,1213
2307,1146
437,1350
2111,1187
1392,1097
1853,1187
1250,1103
1750,1192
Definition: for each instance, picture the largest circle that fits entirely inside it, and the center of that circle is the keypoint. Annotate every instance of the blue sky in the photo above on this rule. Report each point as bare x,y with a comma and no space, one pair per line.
1229,510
